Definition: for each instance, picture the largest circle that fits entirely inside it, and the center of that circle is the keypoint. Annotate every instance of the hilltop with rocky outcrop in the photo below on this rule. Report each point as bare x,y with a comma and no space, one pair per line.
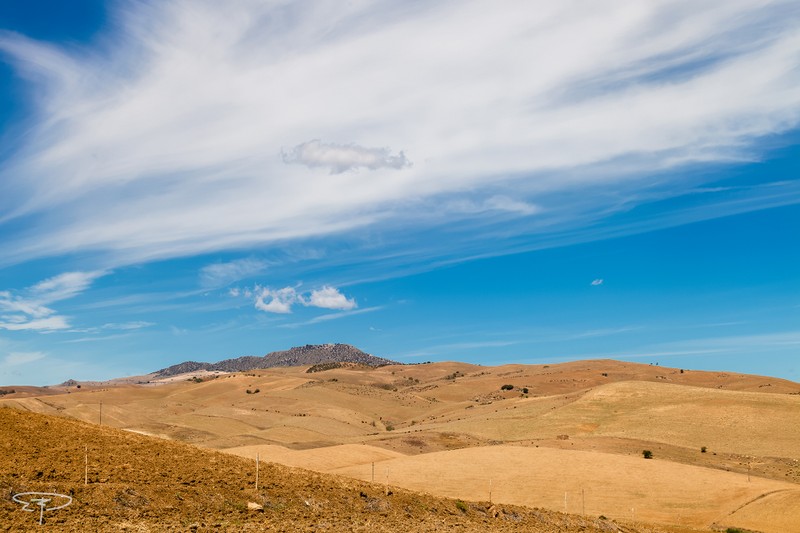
310,354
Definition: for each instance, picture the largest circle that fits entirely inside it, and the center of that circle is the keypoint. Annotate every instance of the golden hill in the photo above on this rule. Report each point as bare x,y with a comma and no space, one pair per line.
577,428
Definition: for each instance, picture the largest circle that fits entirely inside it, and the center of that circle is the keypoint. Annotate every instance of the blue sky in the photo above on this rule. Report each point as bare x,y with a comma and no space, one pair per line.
474,181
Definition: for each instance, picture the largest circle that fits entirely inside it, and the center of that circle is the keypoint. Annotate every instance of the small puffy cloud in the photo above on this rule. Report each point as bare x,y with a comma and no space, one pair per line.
222,274
282,300
21,358
596,282
276,301
343,157
330,298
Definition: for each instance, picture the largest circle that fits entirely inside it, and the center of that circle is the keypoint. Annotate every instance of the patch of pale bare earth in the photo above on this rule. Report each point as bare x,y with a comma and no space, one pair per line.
595,483
320,459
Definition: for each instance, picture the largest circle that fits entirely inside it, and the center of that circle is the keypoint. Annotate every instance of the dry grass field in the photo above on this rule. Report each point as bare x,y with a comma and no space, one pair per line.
139,483
451,429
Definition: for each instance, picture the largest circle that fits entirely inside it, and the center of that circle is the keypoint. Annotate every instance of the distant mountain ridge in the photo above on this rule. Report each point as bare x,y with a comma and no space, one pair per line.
310,354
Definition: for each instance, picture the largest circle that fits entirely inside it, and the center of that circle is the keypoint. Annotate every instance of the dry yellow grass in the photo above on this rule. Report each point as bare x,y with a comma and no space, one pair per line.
613,485
320,459
731,421
418,419
139,483
776,512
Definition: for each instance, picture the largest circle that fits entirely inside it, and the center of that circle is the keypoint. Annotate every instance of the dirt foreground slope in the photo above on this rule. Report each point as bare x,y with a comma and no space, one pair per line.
140,483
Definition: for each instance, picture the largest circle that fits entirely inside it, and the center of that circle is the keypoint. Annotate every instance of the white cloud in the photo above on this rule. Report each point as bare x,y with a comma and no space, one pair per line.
330,298
276,301
596,282
30,309
222,274
343,157
22,358
64,285
183,118
282,300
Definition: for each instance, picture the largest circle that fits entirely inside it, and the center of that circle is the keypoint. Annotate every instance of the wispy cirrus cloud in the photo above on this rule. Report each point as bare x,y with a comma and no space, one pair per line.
29,309
332,316
22,358
640,95
222,274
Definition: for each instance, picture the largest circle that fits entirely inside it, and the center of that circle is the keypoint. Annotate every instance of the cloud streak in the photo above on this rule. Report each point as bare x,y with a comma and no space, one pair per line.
29,309
222,274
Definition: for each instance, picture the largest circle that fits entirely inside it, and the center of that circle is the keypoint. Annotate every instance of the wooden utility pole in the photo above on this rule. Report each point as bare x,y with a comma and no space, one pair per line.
387,481
86,465
373,472
257,461
101,413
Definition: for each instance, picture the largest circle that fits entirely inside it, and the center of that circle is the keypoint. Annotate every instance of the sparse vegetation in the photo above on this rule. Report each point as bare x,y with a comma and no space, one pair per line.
256,391
3,392
647,454
461,506
703,449
507,387
321,367
524,390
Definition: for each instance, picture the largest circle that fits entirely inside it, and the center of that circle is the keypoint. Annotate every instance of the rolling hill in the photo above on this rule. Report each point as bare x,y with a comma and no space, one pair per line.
724,444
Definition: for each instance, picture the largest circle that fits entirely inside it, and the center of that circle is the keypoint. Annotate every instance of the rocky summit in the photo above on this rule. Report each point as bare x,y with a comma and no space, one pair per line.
310,354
